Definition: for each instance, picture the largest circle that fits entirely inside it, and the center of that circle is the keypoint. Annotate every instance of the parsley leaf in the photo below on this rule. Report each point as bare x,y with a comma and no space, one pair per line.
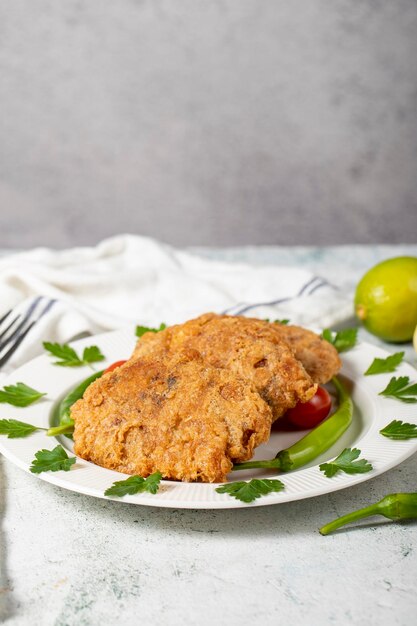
343,340
19,395
52,461
135,484
141,330
65,353
250,491
15,429
92,354
346,462
399,430
382,366
284,322
69,358
400,389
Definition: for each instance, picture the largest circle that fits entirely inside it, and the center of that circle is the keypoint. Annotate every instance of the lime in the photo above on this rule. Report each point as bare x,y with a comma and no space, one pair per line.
386,299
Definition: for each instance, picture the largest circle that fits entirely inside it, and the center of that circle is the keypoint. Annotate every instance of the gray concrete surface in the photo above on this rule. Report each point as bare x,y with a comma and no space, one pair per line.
222,123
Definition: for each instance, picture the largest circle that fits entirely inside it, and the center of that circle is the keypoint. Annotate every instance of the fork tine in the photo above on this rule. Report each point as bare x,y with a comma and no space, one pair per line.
15,346
24,318
19,336
6,330
5,316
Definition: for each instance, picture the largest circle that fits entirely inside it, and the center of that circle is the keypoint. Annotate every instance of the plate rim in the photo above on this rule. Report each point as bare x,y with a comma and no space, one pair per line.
397,451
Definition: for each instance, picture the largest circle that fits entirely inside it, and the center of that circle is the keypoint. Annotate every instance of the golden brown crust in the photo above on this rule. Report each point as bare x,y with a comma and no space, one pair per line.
176,415
320,359
251,348
200,396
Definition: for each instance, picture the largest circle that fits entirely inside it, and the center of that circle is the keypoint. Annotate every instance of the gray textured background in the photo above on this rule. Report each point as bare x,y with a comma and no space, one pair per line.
208,122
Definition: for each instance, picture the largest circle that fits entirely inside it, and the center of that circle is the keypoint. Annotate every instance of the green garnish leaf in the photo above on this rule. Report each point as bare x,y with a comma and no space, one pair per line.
343,340
250,491
92,354
400,389
52,461
383,366
399,430
15,429
135,484
346,462
19,395
141,330
69,358
284,322
67,355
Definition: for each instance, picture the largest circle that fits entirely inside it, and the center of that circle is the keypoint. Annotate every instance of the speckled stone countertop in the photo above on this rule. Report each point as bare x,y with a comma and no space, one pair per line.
70,560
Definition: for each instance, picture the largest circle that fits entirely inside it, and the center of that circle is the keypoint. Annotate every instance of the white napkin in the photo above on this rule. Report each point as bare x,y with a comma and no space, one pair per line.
136,280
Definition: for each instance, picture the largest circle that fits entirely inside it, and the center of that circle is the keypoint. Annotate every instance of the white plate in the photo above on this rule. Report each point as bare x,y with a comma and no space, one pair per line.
372,412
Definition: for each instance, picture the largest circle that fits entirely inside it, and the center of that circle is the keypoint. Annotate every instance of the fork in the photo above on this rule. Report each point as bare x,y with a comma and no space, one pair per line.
18,326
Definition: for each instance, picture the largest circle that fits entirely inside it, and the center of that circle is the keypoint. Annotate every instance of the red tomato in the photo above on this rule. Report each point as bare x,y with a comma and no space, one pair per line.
311,413
113,366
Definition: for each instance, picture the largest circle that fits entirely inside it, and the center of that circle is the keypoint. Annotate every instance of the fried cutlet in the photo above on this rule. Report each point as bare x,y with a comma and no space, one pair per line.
173,414
319,358
251,348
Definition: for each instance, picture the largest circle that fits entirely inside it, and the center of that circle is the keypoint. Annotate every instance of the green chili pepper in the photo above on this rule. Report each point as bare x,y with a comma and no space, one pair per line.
396,506
66,424
315,442
62,429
